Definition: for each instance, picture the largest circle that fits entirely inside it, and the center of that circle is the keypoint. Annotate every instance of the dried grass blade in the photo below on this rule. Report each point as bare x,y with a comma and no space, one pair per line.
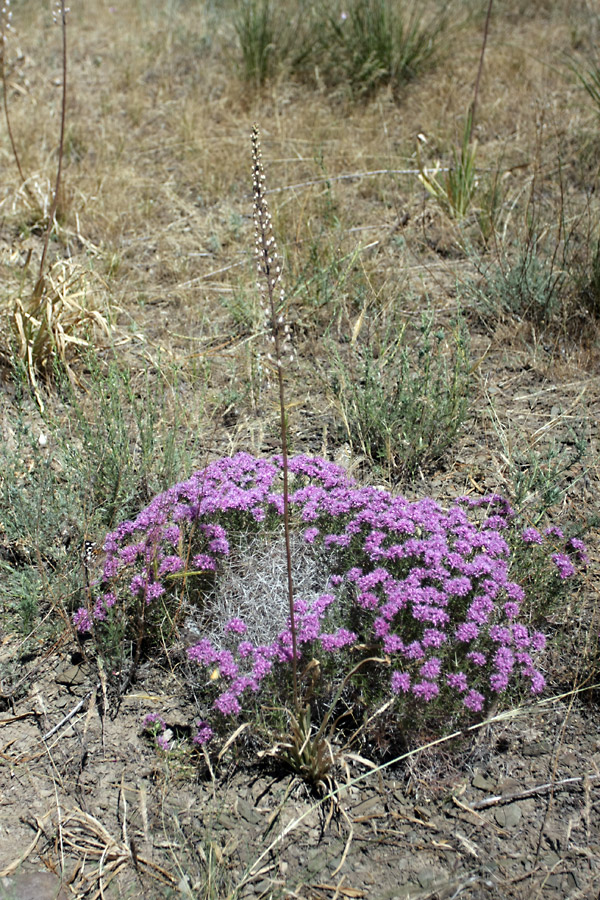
6,872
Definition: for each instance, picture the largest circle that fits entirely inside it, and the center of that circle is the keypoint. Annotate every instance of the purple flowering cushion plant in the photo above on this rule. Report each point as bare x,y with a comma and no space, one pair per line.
432,592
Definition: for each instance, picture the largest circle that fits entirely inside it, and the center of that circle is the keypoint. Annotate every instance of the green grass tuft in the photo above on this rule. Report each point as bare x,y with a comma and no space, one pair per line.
403,407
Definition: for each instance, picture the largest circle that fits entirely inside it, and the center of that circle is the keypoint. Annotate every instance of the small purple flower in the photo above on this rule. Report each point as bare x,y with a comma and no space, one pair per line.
538,641
109,599
481,608
203,652
111,567
310,534
414,651
432,637
425,690
515,592
400,682
538,682
393,643
564,565
154,591
171,535
342,638
322,603
431,669
163,742
236,626
219,545
499,682
367,600
474,700
100,613
457,681
467,632
204,562
500,635
138,584
336,540
170,564
532,536
511,610
245,649
204,733
308,629
153,719
504,660
577,546
478,659
460,587
520,636
128,555
524,660
227,704
262,667
228,668
81,620
381,627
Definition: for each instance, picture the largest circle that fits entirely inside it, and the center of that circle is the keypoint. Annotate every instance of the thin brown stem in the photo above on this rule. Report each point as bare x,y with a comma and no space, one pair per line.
6,113
39,287
479,71
286,528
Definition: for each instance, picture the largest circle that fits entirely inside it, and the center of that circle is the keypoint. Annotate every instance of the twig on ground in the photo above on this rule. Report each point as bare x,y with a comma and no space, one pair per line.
69,715
500,799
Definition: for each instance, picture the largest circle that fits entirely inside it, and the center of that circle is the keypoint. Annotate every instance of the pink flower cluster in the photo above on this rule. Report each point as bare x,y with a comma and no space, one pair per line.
157,726
429,588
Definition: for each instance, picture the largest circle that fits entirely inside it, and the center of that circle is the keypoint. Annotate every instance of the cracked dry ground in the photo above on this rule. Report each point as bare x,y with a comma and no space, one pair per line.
510,811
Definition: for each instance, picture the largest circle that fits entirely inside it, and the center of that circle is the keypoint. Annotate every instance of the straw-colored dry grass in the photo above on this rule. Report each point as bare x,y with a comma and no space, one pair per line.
157,159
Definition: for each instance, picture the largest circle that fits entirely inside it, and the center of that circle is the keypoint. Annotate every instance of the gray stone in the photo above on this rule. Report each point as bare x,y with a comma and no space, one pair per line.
32,886
427,878
536,748
508,816
482,783
317,862
248,813
70,676
401,892
368,806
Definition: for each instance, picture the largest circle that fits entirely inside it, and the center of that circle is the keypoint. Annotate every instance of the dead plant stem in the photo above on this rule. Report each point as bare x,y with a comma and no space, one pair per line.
6,113
39,287
479,71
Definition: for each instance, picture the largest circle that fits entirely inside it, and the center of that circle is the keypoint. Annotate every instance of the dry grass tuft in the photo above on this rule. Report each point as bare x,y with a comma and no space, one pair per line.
103,856
47,332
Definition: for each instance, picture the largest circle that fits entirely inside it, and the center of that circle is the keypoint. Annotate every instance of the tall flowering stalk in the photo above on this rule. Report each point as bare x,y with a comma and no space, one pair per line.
272,303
